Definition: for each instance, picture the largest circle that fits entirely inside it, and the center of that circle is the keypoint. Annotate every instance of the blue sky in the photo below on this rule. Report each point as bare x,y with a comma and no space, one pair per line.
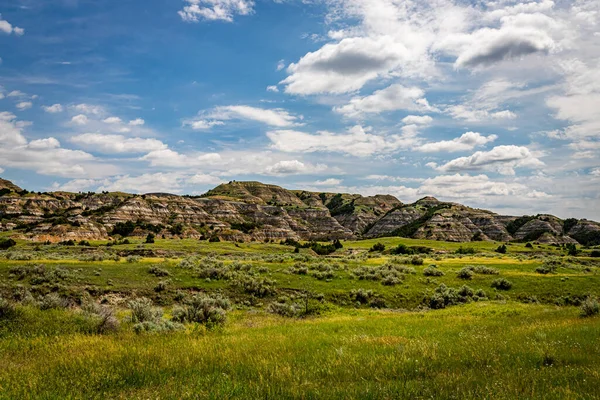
490,103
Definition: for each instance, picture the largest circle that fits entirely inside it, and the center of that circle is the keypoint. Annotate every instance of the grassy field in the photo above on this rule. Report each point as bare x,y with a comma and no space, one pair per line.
355,324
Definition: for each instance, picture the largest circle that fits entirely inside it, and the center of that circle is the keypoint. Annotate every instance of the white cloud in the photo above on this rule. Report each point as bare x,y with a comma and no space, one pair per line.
357,141
170,158
280,65
215,10
16,93
53,109
503,159
8,28
467,141
417,120
24,105
329,182
293,167
273,88
345,66
44,156
112,120
595,172
116,143
273,117
394,97
79,119
137,122
475,115
392,178
204,179
88,109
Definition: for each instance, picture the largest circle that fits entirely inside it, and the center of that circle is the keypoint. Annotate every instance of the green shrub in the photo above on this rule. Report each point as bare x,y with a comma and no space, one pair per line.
133,259
202,309
502,284
465,273
7,310
143,310
529,245
6,243
590,307
416,260
377,247
103,315
501,249
432,271
162,285
52,301
483,270
595,253
465,250
150,238
259,287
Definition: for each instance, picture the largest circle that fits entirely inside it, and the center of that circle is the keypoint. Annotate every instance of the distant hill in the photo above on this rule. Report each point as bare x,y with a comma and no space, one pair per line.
247,211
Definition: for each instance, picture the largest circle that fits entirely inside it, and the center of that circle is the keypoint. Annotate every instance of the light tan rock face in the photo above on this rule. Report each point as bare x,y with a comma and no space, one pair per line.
245,211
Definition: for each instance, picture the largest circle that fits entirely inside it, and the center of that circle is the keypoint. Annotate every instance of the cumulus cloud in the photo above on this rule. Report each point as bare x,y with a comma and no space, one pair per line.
53,109
137,122
273,88
8,28
112,120
215,10
88,109
44,156
276,117
329,182
24,105
467,141
394,97
293,167
358,141
503,159
417,120
170,158
79,119
344,66
466,113
116,143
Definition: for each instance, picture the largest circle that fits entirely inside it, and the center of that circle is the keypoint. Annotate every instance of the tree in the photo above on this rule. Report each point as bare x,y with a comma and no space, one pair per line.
501,249
572,249
7,243
150,238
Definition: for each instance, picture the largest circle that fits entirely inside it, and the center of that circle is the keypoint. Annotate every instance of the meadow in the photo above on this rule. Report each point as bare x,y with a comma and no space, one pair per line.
191,319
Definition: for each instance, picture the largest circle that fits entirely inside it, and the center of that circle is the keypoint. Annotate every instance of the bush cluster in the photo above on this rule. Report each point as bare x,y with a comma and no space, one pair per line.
388,274
502,284
590,307
203,309
432,270
367,297
445,296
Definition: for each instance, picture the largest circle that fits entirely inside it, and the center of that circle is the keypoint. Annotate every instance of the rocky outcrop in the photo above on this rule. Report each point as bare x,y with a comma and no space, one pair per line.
252,211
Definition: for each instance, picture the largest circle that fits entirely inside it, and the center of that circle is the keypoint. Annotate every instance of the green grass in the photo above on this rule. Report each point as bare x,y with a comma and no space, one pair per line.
532,345
483,350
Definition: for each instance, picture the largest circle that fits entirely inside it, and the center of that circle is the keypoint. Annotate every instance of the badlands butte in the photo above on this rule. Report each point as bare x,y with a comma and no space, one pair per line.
253,211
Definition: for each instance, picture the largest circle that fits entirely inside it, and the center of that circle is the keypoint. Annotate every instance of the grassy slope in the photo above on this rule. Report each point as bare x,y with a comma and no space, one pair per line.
481,350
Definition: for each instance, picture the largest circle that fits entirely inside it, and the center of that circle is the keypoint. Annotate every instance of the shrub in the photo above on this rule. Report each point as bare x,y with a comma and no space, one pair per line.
432,271
202,309
502,284
465,273
7,310
103,315
157,327
286,309
416,260
501,249
83,243
362,296
377,247
465,250
52,301
595,253
143,310
590,307
529,245
7,243
482,269
572,249
133,259
259,287
162,285
150,238
546,268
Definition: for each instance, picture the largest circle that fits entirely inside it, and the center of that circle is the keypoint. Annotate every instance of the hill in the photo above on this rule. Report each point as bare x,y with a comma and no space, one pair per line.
253,211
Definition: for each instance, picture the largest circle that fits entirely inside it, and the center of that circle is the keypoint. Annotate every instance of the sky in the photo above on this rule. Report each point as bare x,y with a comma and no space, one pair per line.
492,104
